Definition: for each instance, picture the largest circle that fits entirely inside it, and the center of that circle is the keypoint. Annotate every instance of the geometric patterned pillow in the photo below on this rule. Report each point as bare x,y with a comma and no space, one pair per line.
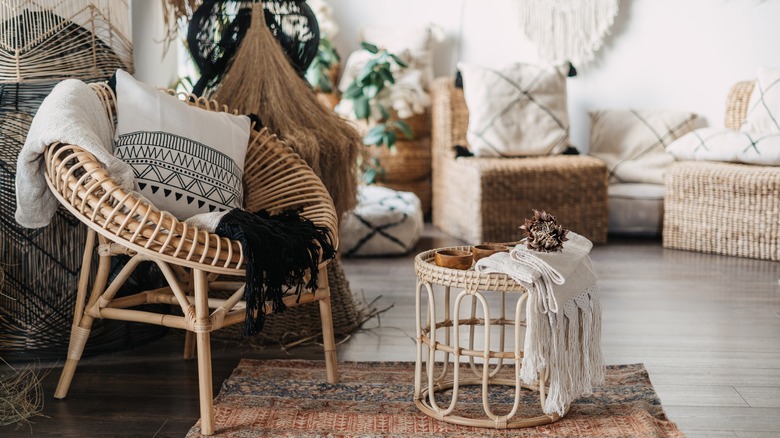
186,160
633,143
716,144
519,110
763,114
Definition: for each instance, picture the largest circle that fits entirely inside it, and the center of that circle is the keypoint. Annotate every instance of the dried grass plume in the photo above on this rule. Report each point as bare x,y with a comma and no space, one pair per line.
261,80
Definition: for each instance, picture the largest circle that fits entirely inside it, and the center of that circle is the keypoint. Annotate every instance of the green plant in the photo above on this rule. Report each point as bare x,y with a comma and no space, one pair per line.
369,96
318,73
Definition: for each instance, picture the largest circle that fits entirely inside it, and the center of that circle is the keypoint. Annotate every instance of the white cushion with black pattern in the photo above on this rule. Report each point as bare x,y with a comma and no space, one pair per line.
633,143
519,110
763,114
186,160
714,144
385,222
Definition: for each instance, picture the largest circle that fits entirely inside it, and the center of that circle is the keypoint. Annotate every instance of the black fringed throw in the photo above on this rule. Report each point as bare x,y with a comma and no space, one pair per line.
279,250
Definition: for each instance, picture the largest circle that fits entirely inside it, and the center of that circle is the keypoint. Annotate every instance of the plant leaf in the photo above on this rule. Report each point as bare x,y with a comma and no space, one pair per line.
375,135
370,47
362,108
353,91
404,128
399,61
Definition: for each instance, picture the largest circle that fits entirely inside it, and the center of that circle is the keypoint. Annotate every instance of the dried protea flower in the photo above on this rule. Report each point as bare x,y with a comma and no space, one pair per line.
543,232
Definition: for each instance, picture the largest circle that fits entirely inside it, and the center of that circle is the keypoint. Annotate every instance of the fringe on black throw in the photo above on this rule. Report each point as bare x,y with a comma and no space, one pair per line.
279,250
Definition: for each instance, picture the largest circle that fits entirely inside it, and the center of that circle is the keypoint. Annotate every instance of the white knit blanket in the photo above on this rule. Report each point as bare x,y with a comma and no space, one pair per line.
71,114
563,314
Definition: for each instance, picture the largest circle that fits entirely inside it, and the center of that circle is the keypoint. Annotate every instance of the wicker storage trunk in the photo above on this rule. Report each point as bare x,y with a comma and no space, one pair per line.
486,199
724,208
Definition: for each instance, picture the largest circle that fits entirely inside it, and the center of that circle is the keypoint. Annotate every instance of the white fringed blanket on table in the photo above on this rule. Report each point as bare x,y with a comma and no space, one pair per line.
563,316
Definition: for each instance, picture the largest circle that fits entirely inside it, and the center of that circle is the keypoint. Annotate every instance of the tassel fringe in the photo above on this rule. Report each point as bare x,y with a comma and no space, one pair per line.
280,250
570,340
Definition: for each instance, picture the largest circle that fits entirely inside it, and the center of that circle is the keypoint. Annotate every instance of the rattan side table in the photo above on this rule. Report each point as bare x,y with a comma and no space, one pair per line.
430,332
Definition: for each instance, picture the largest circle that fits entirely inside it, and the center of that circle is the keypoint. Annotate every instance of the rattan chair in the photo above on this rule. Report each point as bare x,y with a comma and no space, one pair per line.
724,208
486,199
192,260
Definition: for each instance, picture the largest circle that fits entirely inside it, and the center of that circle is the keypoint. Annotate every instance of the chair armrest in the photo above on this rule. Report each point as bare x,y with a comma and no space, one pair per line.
84,186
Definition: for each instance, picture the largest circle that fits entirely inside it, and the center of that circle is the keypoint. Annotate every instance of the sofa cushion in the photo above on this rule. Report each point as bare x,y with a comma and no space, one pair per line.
519,110
633,143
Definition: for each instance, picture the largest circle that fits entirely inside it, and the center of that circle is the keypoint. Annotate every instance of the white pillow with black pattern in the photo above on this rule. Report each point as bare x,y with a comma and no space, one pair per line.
186,160
763,114
519,110
633,143
716,144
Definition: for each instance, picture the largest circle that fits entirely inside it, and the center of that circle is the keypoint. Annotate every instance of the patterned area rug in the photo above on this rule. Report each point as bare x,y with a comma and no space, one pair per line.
290,398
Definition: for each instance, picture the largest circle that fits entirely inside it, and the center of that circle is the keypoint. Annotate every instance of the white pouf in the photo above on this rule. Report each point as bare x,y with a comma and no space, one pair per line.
636,209
385,222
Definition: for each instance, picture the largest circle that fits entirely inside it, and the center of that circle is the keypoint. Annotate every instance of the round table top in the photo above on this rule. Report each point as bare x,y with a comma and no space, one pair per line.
427,271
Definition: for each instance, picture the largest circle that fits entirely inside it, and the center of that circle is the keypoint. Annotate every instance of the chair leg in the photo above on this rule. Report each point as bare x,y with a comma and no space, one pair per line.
328,341
82,324
202,329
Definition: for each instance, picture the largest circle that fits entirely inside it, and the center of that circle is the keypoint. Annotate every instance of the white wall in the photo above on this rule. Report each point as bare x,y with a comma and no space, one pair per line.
675,54
148,33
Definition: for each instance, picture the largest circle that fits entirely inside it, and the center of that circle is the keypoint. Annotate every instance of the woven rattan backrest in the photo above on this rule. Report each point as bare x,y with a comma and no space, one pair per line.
275,178
737,104
460,116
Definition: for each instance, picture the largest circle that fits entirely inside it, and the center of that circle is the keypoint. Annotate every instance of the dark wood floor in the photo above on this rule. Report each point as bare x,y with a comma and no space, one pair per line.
707,327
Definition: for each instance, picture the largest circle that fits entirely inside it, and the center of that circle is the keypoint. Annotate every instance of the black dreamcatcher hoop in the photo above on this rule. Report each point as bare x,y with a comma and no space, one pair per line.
217,28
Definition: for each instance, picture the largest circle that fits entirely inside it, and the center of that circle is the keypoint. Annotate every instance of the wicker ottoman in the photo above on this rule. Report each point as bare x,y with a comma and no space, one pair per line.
486,199
723,208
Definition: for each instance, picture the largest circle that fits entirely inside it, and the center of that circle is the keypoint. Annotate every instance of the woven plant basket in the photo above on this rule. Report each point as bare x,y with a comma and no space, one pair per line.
409,162
303,321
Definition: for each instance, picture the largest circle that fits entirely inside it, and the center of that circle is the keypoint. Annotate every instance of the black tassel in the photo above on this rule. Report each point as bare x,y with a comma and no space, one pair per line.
279,251
462,151
458,79
572,71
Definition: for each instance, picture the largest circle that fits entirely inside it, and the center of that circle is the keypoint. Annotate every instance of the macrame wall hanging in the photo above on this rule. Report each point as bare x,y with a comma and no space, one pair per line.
567,30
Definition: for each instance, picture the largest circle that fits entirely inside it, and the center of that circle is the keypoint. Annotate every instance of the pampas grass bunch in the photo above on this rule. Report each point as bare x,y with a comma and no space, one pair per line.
261,80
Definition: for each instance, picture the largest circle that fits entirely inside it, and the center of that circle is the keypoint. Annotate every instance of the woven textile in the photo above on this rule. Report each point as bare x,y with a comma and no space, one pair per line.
289,398
714,144
563,314
385,222
567,30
